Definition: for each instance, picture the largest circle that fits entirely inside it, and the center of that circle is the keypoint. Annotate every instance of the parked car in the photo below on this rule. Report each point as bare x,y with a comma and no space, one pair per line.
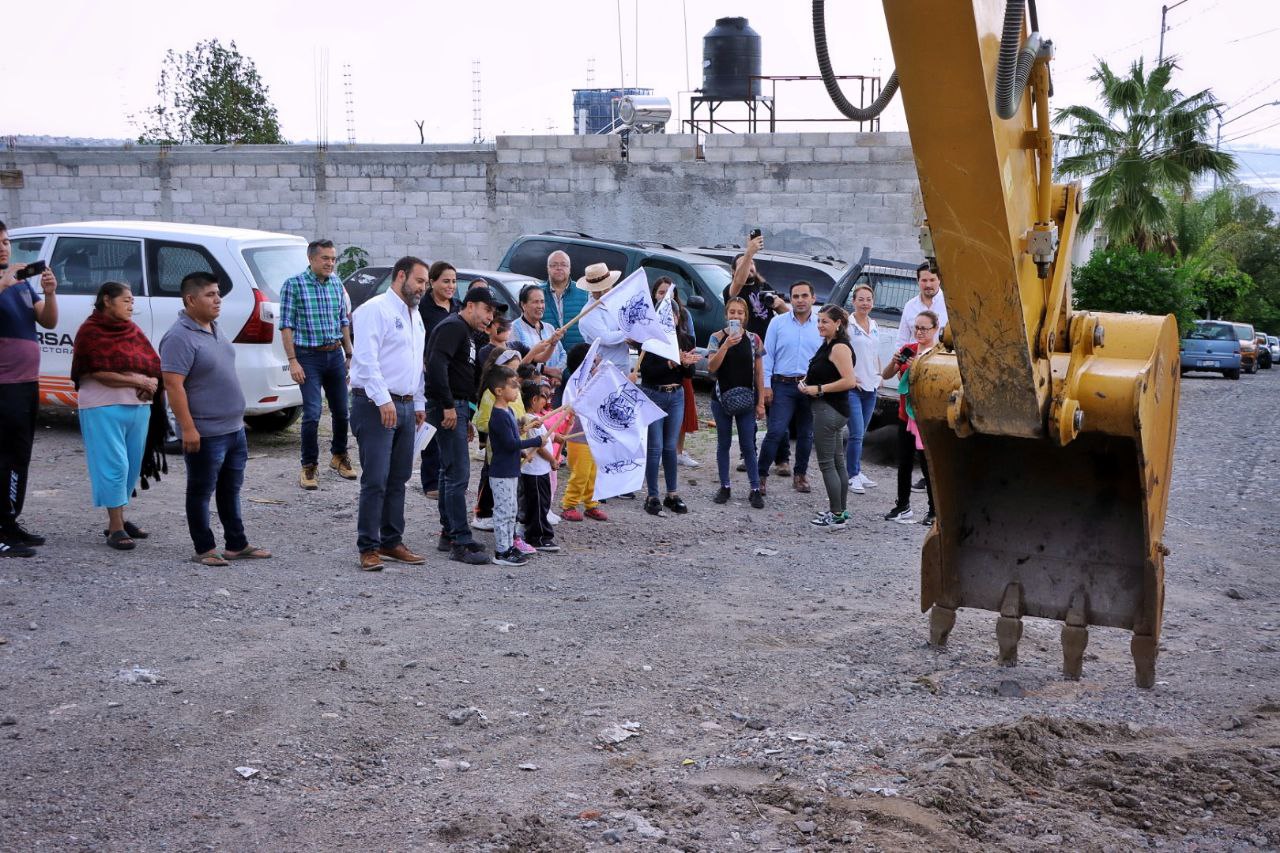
1248,347
1264,351
152,258
699,280
1273,344
368,282
1211,345
833,280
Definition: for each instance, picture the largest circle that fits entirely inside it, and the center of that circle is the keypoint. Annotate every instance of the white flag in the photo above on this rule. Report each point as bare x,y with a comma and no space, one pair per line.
633,307
669,347
615,415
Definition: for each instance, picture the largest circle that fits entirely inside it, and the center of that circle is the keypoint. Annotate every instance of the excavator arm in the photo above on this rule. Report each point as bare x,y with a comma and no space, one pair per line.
1048,431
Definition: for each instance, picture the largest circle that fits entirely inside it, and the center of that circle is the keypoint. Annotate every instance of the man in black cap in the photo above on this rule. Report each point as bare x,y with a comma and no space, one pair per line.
451,386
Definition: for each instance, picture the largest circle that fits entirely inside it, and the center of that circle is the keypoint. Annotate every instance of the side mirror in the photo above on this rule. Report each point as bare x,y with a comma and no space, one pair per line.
696,302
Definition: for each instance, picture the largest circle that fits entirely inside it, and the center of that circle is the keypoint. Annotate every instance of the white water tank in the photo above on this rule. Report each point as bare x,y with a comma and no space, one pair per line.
648,111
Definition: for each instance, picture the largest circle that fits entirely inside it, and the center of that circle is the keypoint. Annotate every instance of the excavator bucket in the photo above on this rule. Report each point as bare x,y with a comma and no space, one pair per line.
1030,527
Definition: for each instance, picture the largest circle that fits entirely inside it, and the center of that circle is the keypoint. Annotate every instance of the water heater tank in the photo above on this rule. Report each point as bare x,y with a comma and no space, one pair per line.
730,57
644,110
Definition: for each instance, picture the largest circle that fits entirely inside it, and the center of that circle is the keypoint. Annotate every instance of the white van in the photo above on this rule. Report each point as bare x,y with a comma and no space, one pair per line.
152,258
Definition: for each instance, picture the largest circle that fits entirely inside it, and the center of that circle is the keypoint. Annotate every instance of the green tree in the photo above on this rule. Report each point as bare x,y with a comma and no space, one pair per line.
1148,140
210,95
1122,278
352,259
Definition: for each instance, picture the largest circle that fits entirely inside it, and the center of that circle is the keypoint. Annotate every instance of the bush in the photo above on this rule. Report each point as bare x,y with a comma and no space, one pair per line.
1120,278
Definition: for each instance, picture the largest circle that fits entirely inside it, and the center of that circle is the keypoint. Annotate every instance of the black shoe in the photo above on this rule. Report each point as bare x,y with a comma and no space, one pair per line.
628,495
475,547
919,486
927,521
443,544
673,503
654,507
722,496
14,549
510,557
756,499
547,547
463,554
16,534
742,467
901,514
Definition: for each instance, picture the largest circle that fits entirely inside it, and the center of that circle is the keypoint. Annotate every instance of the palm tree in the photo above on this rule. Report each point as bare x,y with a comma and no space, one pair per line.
1151,141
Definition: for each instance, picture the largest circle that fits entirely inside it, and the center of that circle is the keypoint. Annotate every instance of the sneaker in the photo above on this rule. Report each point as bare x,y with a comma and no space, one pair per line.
479,523
596,514
552,518
838,522
867,482
548,547
673,503
15,549
307,479
823,519
341,463
687,461
653,506
722,496
523,547
15,534
855,485
927,521
900,514
444,544
463,554
474,547
510,557
919,486
756,499
782,469
572,514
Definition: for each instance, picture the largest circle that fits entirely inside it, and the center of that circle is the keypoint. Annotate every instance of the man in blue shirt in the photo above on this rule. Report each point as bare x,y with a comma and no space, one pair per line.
316,332
789,344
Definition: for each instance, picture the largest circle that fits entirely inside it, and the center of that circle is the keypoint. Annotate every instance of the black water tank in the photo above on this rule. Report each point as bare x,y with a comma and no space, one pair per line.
730,56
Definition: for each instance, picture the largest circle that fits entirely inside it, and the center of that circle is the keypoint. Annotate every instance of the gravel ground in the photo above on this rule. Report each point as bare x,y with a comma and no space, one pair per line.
726,680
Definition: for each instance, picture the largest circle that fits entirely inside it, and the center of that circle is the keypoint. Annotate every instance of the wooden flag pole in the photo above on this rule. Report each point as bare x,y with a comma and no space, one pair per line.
584,312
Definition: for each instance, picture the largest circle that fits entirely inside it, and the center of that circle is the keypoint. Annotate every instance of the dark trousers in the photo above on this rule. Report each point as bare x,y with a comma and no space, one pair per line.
788,403
430,467
326,374
386,463
535,503
455,472
484,494
217,470
907,456
18,404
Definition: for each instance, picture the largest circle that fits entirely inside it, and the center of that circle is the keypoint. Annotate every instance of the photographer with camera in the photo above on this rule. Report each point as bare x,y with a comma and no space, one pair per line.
925,329
762,302
22,306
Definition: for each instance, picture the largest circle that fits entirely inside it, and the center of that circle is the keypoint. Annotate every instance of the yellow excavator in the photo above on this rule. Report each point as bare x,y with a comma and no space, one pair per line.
1048,431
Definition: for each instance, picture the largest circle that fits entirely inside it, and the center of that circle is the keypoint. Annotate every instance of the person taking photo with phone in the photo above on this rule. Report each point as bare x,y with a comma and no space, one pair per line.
736,360
910,448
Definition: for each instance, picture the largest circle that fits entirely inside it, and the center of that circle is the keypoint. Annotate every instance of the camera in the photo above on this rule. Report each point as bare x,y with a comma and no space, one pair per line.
31,270
768,298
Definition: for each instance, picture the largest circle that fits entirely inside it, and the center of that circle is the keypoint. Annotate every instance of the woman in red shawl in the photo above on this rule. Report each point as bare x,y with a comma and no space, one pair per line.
117,376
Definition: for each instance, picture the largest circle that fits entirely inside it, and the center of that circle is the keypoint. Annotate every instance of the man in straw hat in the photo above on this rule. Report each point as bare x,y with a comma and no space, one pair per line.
602,324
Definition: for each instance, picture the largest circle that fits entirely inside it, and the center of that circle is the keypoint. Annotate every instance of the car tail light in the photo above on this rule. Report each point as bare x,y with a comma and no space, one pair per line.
256,330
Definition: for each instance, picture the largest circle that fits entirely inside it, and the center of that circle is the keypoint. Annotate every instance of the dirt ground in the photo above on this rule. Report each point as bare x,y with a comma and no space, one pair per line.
725,680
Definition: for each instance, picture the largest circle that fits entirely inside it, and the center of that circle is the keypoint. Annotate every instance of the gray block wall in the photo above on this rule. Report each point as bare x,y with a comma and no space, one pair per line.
820,193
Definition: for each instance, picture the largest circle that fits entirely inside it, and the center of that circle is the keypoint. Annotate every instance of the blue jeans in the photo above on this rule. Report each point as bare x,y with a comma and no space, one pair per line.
386,463
326,373
663,435
788,402
217,470
862,405
746,422
455,472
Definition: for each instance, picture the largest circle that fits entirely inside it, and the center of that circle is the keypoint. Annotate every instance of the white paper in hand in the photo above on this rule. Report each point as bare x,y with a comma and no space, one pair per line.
422,437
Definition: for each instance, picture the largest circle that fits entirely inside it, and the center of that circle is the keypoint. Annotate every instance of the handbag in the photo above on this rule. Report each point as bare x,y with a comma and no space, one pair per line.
735,401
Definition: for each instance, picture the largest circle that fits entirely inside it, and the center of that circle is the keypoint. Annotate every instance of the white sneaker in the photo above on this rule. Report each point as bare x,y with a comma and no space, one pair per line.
867,482
688,461
482,523
552,518
855,485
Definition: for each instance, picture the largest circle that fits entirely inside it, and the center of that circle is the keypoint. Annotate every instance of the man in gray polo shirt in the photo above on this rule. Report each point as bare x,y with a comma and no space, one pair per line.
199,366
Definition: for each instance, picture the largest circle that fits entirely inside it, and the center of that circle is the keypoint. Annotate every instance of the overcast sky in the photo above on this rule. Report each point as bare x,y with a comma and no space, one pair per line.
97,62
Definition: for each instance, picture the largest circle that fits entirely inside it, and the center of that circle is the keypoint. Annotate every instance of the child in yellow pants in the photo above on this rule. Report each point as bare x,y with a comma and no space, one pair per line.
581,485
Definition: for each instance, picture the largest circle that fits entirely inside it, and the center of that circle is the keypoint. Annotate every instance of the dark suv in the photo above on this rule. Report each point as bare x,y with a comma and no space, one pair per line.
699,280
833,280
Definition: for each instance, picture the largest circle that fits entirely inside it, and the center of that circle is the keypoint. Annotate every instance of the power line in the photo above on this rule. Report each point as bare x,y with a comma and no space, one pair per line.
1253,132
1254,35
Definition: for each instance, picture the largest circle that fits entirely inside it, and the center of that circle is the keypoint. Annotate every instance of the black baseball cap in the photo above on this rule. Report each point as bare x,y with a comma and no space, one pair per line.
485,295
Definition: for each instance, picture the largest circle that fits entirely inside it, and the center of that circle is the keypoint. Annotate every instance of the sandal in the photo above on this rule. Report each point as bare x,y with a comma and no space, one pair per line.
209,559
249,552
134,531
120,541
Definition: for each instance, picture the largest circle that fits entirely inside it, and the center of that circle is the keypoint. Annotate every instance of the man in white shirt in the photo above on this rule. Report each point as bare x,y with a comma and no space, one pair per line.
930,299
601,323
388,404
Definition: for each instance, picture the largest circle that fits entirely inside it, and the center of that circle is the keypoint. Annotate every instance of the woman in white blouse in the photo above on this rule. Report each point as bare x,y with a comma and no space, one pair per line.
864,334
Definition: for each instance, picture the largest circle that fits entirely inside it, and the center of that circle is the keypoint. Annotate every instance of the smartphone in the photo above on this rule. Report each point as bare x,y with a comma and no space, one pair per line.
904,354
755,232
735,326
31,270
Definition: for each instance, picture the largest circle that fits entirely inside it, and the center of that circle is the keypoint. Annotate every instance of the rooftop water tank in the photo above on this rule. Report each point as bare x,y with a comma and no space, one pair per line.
730,57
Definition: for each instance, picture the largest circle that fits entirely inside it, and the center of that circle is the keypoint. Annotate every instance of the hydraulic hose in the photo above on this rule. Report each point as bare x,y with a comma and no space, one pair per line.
1014,67
847,109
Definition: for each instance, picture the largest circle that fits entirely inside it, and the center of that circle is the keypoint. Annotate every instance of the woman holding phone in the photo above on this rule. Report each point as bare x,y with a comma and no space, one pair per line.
829,379
735,358
910,448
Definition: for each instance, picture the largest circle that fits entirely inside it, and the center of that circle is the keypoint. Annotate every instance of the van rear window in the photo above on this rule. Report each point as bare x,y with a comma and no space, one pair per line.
271,265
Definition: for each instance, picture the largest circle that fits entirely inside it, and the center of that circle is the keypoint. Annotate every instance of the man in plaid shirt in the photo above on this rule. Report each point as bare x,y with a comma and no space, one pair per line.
316,330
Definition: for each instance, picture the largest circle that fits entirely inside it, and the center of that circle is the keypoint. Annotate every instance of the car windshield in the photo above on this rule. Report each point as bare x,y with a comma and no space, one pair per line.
716,278
271,265
1211,332
1243,332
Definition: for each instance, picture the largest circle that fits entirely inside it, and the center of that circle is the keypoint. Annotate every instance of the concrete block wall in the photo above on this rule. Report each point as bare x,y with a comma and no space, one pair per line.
820,193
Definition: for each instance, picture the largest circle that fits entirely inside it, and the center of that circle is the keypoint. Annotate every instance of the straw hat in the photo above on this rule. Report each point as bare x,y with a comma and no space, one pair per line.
598,278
